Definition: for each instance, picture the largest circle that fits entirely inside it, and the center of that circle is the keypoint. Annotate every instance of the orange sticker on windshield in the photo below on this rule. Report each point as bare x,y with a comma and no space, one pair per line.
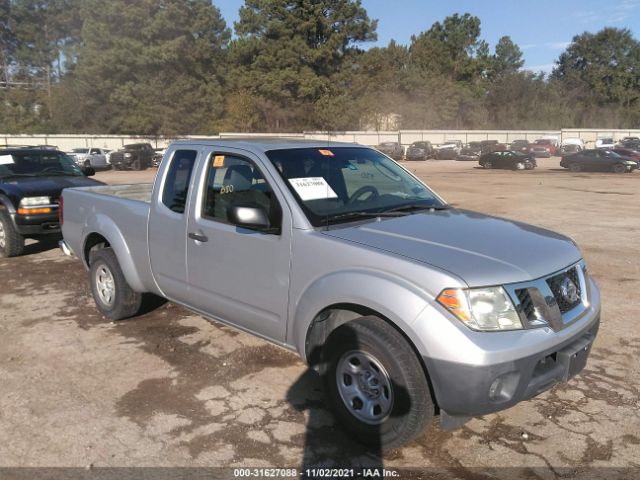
326,153
218,161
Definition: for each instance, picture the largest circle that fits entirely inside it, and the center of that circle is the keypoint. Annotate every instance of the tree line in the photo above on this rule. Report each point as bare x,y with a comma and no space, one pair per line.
173,67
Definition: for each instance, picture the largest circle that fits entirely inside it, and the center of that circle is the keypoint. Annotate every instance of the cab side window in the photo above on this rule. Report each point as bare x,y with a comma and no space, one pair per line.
176,185
236,181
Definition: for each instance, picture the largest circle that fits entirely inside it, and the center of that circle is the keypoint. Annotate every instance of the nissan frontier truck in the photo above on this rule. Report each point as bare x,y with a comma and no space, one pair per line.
407,307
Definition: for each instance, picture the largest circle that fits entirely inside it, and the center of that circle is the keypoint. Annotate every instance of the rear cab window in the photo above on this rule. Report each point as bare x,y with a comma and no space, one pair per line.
175,190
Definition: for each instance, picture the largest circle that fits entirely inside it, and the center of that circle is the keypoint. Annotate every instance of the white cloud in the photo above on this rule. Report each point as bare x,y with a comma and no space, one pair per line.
613,13
558,45
545,68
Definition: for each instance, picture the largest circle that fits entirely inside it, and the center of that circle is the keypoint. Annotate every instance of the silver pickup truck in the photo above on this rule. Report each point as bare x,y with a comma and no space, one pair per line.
407,307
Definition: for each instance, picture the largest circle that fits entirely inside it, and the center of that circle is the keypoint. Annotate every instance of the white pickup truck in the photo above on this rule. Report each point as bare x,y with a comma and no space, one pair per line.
90,157
408,307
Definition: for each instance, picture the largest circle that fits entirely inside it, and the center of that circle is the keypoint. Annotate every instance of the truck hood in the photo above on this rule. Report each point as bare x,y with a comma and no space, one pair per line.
480,249
43,185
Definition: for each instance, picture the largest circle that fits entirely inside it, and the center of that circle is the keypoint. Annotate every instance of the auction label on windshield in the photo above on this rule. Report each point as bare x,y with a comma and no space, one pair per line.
6,160
312,188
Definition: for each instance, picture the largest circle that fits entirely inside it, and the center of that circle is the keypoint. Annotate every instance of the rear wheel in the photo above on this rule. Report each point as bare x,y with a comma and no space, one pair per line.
376,384
575,167
114,297
11,242
619,168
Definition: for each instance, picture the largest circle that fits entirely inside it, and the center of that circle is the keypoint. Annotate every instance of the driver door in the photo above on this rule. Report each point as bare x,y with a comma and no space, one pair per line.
236,274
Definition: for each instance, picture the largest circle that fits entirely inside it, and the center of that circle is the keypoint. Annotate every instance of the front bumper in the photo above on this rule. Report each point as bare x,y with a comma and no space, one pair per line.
37,224
464,390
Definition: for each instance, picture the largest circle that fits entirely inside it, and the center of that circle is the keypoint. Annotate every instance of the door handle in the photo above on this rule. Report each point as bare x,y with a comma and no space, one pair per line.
198,237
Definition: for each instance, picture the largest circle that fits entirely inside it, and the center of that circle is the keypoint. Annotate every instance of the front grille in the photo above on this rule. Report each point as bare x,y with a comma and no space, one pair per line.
556,285
117,157
528,308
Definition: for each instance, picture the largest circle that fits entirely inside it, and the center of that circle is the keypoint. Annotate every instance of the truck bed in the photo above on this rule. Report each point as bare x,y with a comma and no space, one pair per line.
120,213
140,192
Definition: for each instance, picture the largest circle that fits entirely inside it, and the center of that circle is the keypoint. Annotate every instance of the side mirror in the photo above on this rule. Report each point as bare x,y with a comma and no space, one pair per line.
250,216
88,171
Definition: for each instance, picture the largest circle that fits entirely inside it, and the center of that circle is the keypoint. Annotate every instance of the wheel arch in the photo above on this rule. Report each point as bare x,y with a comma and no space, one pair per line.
332,317
103,233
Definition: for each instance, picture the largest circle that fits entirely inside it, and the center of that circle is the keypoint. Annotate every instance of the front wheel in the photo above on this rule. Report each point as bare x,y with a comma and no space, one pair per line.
11,242
114,297
575,167
520,166
529,166
376,385
619,168
487,164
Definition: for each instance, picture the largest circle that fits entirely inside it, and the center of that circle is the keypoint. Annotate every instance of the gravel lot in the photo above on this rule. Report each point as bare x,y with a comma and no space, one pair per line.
171,389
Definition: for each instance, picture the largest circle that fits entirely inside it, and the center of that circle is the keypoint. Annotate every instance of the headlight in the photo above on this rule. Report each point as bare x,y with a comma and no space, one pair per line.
481,308
127,155
34,201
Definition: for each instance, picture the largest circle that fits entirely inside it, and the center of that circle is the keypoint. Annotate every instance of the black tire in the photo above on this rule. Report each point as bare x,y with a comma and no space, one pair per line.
619,168
412,407
529,166
136,165
575,167
11,242
487,164
125,302
87,163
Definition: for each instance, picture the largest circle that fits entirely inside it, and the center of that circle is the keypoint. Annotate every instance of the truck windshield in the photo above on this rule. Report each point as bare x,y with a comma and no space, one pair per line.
37,164
332,183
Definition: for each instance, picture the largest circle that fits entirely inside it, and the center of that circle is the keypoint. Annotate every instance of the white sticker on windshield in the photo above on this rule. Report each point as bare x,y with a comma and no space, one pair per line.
6,160
312,188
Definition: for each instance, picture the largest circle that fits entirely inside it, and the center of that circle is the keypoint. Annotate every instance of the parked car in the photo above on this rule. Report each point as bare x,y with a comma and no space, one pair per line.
455,145
544,147
492,146
447,154
630,144
392,149
626,152
407,306
522,146
606,143
571,145
508,159
420,151
136,156
471,152
31,180
157,156
90,157
598,160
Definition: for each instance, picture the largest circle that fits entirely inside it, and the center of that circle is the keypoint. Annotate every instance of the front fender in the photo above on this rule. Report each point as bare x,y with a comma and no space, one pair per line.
391,296
103,225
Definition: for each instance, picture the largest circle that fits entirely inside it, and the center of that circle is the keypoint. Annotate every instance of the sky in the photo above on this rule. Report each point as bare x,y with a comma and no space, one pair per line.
542,28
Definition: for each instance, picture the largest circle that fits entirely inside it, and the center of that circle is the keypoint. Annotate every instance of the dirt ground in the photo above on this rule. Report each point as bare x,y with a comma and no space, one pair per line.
171,389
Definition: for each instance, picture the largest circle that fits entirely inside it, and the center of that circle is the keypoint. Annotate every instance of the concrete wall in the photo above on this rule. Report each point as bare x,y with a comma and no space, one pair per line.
405,137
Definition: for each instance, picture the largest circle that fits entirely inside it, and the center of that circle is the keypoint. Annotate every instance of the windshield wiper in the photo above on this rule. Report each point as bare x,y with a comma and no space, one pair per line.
407,207
365,214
